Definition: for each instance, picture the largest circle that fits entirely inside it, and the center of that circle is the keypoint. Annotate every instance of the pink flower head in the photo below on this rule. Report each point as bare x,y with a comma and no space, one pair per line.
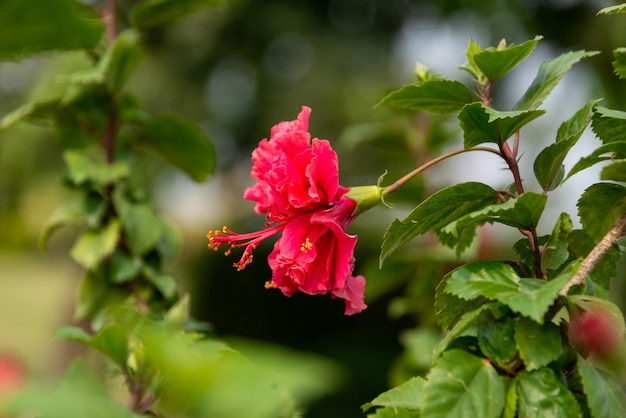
297,186
594,330
293,174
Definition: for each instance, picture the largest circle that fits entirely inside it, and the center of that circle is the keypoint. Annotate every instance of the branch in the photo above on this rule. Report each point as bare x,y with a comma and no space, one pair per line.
110,24
594,257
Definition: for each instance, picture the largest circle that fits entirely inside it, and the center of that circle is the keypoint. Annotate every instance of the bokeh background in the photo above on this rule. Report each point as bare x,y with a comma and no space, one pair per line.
236,70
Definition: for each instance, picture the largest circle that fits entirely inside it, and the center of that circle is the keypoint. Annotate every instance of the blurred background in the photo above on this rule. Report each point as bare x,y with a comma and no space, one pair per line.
242,67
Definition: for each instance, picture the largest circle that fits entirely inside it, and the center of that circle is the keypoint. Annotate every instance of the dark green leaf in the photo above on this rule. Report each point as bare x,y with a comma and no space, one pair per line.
494,63
483,124
457,385
30,26
96,244
165,283
549,162
141,226
112,341
169,242
82,169
149,13
538,345
605,394
449,308
440,96
581,245
600,206
619,8
124,267
408,395
541,394
392,412
496,341
556,250
614,172
547,78
30,112
182,144
620,62
617,150
436,212
496,280
609,125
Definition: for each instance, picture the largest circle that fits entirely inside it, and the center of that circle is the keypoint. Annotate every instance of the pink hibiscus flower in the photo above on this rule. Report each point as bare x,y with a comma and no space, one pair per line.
297,186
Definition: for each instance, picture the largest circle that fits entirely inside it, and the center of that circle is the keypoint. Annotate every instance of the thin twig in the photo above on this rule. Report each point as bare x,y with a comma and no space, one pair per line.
594,257
108,16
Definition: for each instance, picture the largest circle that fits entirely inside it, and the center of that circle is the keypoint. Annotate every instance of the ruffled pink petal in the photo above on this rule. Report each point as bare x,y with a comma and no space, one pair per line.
353,294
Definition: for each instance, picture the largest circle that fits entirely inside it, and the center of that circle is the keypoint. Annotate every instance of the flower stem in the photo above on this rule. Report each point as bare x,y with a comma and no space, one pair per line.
400,182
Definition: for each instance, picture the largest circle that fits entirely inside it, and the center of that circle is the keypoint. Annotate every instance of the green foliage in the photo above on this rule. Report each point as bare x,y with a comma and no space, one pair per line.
494,63
605,394
620,62
600,206
439,96
619,8
408,396
541,393
538,345
151,13
609,124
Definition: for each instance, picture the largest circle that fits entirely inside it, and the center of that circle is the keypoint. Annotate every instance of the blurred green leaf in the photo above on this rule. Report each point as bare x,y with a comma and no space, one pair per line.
82,169
620,62
581,244
600,206
437,211
30,26
124,267
150,13
440,96
494,63
393,412
541,394
549,162
408,395
614,172
141,226
181,143
112,341
165,283
73,333
538,345
96,244
619,8
496,341
609,124
556,250
547,78
169,242
617,150
30,112
457,386
498,281
605,393
483,124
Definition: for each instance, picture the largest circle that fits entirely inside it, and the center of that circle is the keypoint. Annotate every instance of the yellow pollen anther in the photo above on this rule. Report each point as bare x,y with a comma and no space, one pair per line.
306,246
270,285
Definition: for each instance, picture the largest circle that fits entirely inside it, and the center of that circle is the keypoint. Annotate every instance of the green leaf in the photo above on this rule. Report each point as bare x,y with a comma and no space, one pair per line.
392,412
94,245
600,206
614,172
141,226
30,26
30,112
541,394
150,13
581,245
112,341
619,8
498,281
494,63
549,162
449,308
165,283
522,212
440,96
82,169
182,144
73,333
620,62
483,124
408,395
81,208
472,50
609,125
547,78
169,242
496,341
436,212
538,345
556,250
124,267
457,385
605,394
617,150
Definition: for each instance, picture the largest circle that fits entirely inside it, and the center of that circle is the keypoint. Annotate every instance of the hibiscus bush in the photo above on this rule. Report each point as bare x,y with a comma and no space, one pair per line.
533,335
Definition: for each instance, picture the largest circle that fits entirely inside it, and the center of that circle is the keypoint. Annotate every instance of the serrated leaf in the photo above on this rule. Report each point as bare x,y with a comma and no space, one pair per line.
600,206
498,281
614,172
439,96
619,8
556,250
541,394
150,13
450,308
547,78
30,26
483,124
538,345
181,143
605,394
609,125
549,162
408,395
456,388
391,412
435,212
472,50
141,226
494,63
96,244
496,341
617,150
82,169
620,62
